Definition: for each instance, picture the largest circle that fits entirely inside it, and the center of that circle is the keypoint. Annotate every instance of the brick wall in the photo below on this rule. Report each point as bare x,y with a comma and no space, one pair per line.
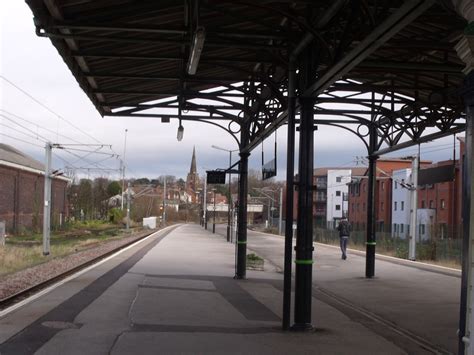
21,200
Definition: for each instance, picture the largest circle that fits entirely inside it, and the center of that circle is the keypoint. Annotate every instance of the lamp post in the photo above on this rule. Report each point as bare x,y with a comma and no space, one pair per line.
229,202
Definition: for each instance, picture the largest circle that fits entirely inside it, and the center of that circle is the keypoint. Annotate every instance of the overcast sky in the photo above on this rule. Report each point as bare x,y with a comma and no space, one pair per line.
33,64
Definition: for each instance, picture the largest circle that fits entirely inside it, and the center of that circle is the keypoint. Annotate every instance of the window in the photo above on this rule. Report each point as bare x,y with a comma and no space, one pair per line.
422,229
443,205
381,206
401,228
394,228
431,204
396,185
338,207
395,206
402,205
422,203
358,206
338,193
338,178
383,185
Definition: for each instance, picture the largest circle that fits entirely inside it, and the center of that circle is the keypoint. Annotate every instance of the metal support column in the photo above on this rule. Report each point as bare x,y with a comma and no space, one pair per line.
229,200
47,199
290,172
371,208
304,236
242,212
466,303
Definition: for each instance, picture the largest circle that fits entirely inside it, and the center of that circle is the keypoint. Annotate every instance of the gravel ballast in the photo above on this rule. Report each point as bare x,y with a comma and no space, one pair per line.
13,283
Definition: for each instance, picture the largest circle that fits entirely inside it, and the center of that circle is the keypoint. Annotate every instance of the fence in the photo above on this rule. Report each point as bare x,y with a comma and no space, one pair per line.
445,250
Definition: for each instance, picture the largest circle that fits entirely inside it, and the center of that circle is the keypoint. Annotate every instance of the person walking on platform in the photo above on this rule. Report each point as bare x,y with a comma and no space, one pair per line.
344,229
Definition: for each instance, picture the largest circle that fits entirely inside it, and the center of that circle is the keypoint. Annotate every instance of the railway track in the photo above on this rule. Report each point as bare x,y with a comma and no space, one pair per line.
27,292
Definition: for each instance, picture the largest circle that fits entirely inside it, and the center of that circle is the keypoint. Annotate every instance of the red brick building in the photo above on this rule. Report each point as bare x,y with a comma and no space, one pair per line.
358,191
21,191
445,198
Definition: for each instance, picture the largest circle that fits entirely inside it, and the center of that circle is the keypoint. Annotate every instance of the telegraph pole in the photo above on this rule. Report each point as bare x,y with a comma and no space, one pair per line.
128,207
123,166
281,212
47,199
205,202
413,209
164,201
214,214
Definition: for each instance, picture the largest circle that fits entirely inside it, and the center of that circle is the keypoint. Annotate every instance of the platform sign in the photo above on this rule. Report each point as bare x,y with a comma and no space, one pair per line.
215,177
269,169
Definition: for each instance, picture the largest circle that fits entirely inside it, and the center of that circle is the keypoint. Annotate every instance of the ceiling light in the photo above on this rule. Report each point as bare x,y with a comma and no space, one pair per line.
196,49
180,134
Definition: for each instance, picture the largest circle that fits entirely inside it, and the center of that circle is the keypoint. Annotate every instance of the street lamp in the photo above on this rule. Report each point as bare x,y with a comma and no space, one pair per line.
229,204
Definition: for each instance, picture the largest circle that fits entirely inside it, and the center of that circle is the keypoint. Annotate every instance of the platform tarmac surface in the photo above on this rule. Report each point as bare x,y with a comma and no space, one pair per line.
174,294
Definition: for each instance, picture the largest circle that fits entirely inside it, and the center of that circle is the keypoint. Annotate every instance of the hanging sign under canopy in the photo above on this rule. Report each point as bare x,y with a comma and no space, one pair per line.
215,177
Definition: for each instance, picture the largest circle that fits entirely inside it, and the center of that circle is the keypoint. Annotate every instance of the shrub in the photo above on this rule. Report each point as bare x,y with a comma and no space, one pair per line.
116,215
253,257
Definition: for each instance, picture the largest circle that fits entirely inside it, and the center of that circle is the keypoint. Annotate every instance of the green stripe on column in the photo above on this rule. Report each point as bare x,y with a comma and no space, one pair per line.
304,262
241,242
371,243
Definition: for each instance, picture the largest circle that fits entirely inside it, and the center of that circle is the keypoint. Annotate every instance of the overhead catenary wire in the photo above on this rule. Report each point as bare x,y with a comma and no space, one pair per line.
40,127
25,128
19,131
21,140
82,158
47,108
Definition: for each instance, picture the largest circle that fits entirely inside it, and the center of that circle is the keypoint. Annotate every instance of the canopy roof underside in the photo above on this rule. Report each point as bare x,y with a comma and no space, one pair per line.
127,53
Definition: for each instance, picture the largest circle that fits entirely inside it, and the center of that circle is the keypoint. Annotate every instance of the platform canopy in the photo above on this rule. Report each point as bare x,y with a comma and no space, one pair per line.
388,63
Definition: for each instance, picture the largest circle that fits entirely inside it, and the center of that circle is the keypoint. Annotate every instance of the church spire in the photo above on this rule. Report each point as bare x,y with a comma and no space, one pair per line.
193,169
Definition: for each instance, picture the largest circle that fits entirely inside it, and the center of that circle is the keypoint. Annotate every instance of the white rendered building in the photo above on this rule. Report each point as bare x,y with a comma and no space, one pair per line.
337,203
401,200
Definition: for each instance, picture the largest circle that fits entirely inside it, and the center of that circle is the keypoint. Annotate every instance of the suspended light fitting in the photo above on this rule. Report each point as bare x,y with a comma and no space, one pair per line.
196,49
180,134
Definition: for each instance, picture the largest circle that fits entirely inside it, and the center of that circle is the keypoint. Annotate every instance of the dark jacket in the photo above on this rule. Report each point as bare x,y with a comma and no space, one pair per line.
344,228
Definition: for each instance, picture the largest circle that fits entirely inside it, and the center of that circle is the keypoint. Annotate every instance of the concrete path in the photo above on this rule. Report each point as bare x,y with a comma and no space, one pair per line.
174,294
417,300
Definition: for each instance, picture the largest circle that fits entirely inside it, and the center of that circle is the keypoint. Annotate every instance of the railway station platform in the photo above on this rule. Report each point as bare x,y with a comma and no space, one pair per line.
174,293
